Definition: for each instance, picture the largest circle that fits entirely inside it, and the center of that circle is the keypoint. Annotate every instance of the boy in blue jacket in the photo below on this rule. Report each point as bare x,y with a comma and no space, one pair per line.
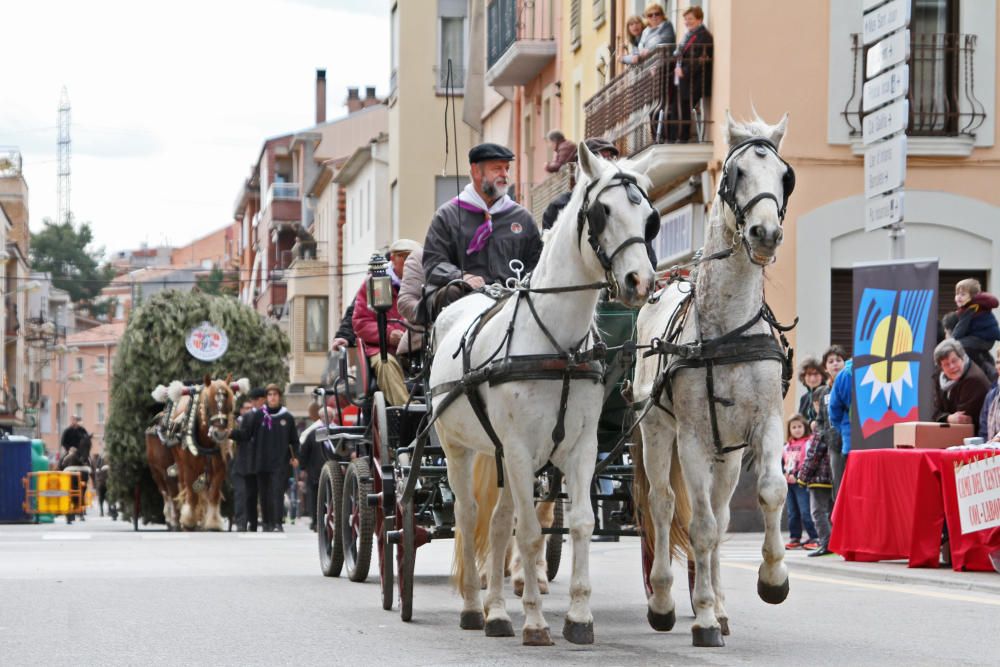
840,417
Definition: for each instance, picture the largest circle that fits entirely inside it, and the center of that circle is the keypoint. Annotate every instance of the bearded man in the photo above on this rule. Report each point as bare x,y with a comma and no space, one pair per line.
473,237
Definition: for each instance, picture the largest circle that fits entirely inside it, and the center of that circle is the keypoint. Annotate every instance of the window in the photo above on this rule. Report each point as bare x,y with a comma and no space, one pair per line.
394,49
316,324
100,412
574,24
451,32
447,187
546,116
598,12
934,67
78,410
79,365
577,109
394,203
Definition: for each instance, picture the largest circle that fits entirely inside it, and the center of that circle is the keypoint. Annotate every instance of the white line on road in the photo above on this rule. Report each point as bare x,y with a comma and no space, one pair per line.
892,588
261,536
66,536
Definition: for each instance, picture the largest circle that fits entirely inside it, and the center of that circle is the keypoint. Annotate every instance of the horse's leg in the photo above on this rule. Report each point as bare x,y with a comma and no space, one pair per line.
459,461
213,497
189,498
498,622
521,483
546,514
693,454
657,454
726,475
579,625
772,576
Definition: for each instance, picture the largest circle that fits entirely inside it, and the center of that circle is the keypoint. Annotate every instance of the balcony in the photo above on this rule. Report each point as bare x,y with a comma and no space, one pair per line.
542,194
282,203
943,102
520,41
640,110
282,191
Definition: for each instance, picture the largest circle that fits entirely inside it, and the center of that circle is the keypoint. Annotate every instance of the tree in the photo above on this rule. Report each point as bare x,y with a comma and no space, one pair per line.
152,351
61,250
217,283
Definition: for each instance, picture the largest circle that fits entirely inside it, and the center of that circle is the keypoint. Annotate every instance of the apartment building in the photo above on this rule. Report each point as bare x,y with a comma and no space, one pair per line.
86,377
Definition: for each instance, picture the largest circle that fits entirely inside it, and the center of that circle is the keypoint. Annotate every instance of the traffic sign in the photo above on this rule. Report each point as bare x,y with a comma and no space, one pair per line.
885,88
869,5
883,211
885,166
885,121
891,51
889,17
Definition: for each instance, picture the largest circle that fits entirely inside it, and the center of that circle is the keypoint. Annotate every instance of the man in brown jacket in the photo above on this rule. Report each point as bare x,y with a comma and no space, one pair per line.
564,151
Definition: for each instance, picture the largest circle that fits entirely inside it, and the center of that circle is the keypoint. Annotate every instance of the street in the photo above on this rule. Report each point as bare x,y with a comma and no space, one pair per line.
97,593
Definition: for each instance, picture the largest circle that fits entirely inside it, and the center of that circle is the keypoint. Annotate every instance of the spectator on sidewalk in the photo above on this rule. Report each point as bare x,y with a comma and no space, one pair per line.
840,417
563,151
814,474
797,500
976,328
833,363
813,376
989,416
960,387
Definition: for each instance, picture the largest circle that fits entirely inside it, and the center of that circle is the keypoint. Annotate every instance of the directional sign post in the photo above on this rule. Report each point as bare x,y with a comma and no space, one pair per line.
886,115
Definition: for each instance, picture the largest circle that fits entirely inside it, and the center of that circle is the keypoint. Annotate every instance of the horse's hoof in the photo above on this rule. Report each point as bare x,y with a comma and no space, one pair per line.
724,624
499,627
536,637
772,594
710,637
661,622
471,620
518,587
578,633
543,587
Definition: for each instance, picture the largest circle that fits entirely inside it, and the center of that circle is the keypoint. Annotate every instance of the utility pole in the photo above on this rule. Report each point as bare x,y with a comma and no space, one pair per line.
65,151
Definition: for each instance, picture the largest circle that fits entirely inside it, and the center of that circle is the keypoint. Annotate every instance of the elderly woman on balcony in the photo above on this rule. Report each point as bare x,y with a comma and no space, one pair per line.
659,32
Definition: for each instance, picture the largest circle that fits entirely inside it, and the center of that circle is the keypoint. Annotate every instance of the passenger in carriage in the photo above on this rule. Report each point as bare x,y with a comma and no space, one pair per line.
345,332
473,237
412,307
388,375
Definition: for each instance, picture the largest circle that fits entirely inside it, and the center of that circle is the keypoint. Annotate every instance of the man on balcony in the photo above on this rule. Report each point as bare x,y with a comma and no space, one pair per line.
692,75
473,237
563,151
659,32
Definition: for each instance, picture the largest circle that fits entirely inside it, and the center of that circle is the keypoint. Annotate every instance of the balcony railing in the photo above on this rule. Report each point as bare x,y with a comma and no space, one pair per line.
520,40
942,98
648,105
543,193
283,191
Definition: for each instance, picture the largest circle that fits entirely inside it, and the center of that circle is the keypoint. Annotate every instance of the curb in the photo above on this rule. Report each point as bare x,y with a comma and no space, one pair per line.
978,581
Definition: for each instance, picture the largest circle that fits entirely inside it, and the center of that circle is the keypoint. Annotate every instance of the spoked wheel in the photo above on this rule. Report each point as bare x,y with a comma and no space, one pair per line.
380,438
554,543
407,558
329,511
359,520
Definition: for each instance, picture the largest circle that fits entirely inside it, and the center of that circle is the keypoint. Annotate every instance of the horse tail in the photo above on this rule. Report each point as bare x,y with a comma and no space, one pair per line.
680,539
486,493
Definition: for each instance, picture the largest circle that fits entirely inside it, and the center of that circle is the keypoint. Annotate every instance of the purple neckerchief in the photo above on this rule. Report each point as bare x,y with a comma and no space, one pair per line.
484,230
267,419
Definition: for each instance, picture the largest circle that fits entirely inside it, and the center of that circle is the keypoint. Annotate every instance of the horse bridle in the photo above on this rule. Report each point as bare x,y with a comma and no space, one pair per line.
593,213
731,176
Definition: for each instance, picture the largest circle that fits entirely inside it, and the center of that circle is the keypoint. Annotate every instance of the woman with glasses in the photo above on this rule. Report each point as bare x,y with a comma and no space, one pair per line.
659,32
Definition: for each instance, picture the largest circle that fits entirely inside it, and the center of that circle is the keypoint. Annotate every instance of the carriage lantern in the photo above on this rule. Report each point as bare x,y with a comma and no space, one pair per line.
379,293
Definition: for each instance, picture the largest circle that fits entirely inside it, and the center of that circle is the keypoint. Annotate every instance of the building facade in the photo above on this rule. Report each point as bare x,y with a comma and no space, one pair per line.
87,375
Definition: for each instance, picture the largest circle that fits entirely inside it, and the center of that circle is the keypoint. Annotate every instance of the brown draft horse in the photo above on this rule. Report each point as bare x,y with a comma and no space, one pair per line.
159,456
202,454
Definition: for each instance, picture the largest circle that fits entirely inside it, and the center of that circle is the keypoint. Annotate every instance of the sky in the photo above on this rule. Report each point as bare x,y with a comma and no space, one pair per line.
171,102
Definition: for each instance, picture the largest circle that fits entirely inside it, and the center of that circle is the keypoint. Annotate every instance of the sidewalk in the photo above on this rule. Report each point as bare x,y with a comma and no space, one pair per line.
886,571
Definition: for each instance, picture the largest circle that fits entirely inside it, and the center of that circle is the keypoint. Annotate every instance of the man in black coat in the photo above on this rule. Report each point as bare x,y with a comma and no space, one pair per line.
271,430
692,74
237,472
473,237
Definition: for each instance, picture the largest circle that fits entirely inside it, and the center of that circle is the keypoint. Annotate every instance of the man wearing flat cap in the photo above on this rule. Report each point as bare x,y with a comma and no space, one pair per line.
473,237
388,374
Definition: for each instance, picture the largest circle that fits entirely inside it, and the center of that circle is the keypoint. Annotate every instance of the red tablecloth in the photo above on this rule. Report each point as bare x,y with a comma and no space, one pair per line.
892,503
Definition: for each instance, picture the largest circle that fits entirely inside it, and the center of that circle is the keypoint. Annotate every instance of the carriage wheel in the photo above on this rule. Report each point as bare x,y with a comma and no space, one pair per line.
554,543
407,558
358,520
329,510
380,439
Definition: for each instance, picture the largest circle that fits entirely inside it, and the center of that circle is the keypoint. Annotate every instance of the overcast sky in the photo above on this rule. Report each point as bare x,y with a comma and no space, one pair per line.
172,101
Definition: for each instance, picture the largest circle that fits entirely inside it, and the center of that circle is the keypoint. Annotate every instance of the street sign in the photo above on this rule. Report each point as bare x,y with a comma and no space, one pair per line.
889,17
885,88
869,5
885,166
883,211
891,51
885,121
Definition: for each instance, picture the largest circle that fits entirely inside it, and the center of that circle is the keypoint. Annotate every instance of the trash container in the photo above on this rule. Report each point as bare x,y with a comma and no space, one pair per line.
15,464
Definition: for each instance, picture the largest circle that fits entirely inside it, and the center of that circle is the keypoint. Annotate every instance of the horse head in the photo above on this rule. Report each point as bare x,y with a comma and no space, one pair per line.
617,213
755,186
217,404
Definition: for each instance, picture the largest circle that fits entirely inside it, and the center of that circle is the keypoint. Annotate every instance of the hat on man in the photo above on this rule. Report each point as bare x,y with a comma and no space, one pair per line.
258,392
404,245
597,145
488,151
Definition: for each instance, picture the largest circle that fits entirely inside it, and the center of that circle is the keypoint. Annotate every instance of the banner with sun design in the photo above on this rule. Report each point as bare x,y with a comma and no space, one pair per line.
895,329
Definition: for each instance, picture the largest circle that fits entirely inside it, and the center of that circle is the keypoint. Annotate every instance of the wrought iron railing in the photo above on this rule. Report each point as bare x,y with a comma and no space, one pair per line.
942,95
648,104
509,21
543,193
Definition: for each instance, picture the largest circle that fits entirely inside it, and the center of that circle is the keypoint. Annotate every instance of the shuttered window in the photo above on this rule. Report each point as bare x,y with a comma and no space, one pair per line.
574,24
598,12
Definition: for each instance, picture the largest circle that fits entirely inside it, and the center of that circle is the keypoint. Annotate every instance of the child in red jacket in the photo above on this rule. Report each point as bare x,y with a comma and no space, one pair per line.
798,496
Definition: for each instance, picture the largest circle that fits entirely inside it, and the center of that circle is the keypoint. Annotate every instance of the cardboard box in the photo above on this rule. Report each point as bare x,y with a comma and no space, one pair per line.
929,435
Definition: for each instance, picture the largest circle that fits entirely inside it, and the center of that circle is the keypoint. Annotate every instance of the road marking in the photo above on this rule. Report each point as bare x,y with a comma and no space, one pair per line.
892,588
66,536
165,536
261,536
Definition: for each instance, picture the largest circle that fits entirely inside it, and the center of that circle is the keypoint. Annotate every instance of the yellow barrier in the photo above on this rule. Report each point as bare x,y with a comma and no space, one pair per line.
53,492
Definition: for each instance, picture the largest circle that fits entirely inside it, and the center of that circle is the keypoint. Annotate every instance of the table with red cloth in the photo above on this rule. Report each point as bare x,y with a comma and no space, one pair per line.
892,504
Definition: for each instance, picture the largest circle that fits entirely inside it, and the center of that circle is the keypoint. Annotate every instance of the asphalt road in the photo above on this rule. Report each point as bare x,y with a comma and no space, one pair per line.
95,593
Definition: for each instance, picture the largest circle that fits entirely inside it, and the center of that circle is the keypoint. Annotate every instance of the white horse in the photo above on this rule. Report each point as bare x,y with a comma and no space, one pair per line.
742,238
524,412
